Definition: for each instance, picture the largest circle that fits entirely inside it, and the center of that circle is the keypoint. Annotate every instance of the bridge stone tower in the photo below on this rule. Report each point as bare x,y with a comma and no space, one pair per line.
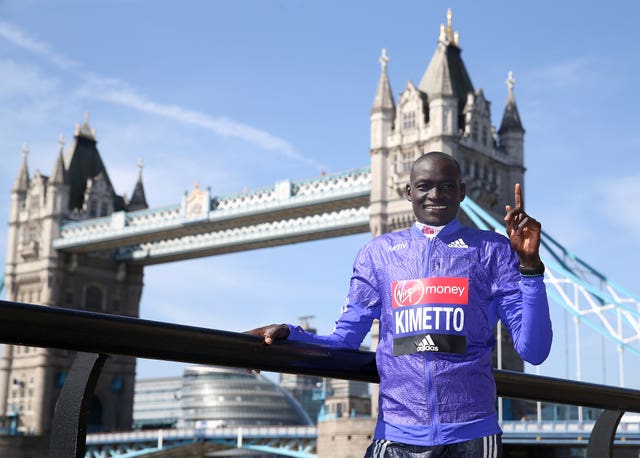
444,113
78,188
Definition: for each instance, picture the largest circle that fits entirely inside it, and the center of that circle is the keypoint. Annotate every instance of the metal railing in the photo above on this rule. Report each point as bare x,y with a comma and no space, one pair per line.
97,335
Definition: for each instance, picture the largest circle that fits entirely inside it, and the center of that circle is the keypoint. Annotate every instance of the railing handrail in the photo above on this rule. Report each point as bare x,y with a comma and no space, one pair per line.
69,329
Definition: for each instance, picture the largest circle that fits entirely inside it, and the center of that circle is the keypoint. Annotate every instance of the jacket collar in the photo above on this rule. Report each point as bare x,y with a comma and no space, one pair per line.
452,226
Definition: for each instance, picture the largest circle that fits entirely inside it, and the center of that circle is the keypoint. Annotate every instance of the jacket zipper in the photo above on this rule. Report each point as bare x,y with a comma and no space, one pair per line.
431,393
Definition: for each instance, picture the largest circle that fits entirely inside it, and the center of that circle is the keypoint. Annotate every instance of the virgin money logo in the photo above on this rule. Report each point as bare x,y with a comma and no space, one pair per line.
407,292
443,290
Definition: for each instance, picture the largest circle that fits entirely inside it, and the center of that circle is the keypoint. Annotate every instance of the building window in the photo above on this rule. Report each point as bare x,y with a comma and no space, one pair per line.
61,377
68,298
93,208
484,136
474,131
93,298
409,120
35,202
404,162
31,233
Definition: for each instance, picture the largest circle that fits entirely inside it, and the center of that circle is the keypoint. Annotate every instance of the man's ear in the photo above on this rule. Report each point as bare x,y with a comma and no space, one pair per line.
463,191
407,192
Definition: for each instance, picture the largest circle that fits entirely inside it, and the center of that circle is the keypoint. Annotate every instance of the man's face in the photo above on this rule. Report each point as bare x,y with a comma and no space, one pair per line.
435,191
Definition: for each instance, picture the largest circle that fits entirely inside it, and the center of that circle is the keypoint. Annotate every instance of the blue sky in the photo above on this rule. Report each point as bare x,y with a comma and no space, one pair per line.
238,95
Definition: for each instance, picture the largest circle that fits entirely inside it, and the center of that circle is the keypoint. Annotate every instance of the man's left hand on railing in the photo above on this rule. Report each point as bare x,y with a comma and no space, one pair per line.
269,333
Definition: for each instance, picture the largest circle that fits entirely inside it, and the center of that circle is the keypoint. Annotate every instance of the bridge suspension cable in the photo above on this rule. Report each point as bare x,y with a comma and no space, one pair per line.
586,293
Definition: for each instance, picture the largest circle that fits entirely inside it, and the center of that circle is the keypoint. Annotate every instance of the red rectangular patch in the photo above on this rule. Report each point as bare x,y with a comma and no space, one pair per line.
441,290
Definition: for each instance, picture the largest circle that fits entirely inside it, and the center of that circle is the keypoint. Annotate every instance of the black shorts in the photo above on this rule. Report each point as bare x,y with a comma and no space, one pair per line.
484,447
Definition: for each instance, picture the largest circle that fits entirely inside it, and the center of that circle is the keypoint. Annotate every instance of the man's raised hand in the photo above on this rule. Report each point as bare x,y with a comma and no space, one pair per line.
523,231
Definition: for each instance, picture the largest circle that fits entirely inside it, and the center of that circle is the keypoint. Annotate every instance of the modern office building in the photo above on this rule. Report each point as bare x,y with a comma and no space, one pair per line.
222,396
214,397
156,403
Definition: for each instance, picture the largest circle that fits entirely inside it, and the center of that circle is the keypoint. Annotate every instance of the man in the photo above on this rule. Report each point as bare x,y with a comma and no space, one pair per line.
439,290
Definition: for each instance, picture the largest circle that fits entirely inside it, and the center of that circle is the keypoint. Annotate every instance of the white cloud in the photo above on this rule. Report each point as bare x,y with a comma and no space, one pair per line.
21,80
565,74
118,92
27,95
32,44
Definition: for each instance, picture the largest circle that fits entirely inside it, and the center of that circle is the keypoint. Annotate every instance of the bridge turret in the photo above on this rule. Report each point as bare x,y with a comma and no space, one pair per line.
446,84
78,187
383,113
91,193
383,110
427,118
58,186
138,199
18,199
22,181
511,134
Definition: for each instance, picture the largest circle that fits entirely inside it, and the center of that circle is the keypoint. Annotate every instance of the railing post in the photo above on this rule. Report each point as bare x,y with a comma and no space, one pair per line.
603,434
69,428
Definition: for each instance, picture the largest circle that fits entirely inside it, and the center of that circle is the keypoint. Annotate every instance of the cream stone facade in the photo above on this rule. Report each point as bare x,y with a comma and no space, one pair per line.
344,437
443,113
78,188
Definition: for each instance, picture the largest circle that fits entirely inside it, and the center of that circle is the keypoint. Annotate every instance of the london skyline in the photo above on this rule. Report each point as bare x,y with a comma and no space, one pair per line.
239,96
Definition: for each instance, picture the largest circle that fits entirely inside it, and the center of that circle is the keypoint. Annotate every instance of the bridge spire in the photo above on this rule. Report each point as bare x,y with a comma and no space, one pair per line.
138,198
383,100
446,74
511,118
447,35
383,111
58,176
85,130
22,182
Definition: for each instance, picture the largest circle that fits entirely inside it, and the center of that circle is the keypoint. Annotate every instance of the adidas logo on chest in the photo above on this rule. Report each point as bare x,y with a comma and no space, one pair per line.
459,243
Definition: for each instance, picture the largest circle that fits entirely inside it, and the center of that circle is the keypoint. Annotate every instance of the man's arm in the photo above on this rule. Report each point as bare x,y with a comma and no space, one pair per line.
526,313
360,309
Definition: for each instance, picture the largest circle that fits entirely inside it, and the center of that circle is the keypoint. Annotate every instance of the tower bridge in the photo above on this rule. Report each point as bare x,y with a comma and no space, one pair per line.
202,225
74,242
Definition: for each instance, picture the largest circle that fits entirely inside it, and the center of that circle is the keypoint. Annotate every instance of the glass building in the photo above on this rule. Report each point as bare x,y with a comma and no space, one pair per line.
156,403
222,396
216,397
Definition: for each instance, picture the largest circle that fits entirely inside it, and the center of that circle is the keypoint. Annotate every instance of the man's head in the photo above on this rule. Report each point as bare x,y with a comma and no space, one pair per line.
435,189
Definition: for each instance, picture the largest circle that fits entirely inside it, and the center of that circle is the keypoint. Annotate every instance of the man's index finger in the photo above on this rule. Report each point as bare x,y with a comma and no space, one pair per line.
518,196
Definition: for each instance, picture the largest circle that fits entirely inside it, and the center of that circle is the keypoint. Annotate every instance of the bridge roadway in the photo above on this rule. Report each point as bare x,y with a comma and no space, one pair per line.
202,225
300,441
295,441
